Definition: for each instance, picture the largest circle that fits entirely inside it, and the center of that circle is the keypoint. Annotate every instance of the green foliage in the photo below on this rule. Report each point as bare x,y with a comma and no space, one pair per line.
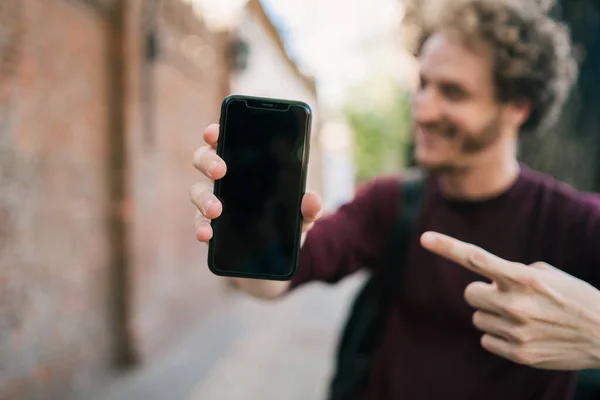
381,134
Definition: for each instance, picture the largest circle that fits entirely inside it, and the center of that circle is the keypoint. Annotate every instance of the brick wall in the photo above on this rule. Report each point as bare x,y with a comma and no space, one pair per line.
172,284
97,256
54,200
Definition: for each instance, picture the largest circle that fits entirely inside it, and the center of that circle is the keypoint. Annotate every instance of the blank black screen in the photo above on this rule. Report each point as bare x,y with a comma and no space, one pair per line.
258,231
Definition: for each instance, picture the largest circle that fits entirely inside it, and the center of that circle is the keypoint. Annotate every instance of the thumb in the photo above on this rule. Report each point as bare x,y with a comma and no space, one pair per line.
311,209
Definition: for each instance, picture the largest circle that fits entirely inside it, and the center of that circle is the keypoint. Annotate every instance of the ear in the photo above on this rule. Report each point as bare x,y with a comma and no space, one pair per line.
518,112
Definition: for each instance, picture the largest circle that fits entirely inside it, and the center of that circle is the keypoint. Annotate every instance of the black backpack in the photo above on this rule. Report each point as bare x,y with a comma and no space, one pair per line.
370,309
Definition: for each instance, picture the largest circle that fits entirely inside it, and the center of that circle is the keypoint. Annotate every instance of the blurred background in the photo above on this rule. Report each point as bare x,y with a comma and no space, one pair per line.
104,291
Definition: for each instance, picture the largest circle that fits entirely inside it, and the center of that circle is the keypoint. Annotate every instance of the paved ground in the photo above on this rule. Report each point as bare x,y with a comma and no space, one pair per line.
253,351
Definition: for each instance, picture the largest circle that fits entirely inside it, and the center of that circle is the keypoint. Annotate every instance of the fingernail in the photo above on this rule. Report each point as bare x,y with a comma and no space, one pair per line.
211,168
207,204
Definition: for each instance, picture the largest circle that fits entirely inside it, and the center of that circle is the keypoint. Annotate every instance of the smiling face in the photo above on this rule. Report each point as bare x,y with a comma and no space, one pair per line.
459,121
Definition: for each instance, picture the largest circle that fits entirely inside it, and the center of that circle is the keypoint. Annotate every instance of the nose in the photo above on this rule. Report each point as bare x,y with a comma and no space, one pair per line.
426,106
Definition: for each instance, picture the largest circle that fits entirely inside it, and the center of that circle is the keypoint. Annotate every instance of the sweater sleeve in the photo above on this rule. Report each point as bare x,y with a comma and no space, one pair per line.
353,237
591,242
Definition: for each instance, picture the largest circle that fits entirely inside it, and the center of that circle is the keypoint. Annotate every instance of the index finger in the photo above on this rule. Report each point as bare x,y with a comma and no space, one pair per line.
211,135
474,258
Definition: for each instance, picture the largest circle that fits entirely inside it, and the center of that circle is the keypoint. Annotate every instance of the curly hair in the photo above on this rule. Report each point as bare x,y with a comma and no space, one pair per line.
532,52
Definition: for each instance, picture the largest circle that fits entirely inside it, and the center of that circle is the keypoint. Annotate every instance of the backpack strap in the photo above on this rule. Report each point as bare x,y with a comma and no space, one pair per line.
368,313
407,212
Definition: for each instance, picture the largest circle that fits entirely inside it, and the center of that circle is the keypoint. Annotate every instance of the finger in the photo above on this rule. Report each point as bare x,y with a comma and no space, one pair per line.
499,346
496,325
209,163
211,135
311,207
204,231
484,296
205,201
311,212
474,258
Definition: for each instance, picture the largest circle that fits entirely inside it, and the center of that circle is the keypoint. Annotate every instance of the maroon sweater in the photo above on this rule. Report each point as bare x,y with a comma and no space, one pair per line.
430,349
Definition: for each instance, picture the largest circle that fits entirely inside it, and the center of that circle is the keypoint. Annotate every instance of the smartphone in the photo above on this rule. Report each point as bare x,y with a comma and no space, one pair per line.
265,143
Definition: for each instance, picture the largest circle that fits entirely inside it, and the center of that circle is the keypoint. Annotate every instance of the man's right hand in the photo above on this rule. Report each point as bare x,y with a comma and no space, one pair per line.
209,207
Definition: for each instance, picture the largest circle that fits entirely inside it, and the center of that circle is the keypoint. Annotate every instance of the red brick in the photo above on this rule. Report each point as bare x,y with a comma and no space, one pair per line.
58,159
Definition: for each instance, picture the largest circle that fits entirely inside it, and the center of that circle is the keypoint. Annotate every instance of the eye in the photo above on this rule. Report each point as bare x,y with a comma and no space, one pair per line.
454,92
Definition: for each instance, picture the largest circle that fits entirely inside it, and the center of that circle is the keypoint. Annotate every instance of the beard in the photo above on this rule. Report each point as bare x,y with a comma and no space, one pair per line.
470,142
490,134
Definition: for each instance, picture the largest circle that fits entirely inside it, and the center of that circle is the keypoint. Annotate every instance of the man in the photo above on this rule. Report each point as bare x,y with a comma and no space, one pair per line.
512,322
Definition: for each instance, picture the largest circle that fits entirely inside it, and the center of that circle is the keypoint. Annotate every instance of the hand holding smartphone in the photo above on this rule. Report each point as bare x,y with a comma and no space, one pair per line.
263,146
